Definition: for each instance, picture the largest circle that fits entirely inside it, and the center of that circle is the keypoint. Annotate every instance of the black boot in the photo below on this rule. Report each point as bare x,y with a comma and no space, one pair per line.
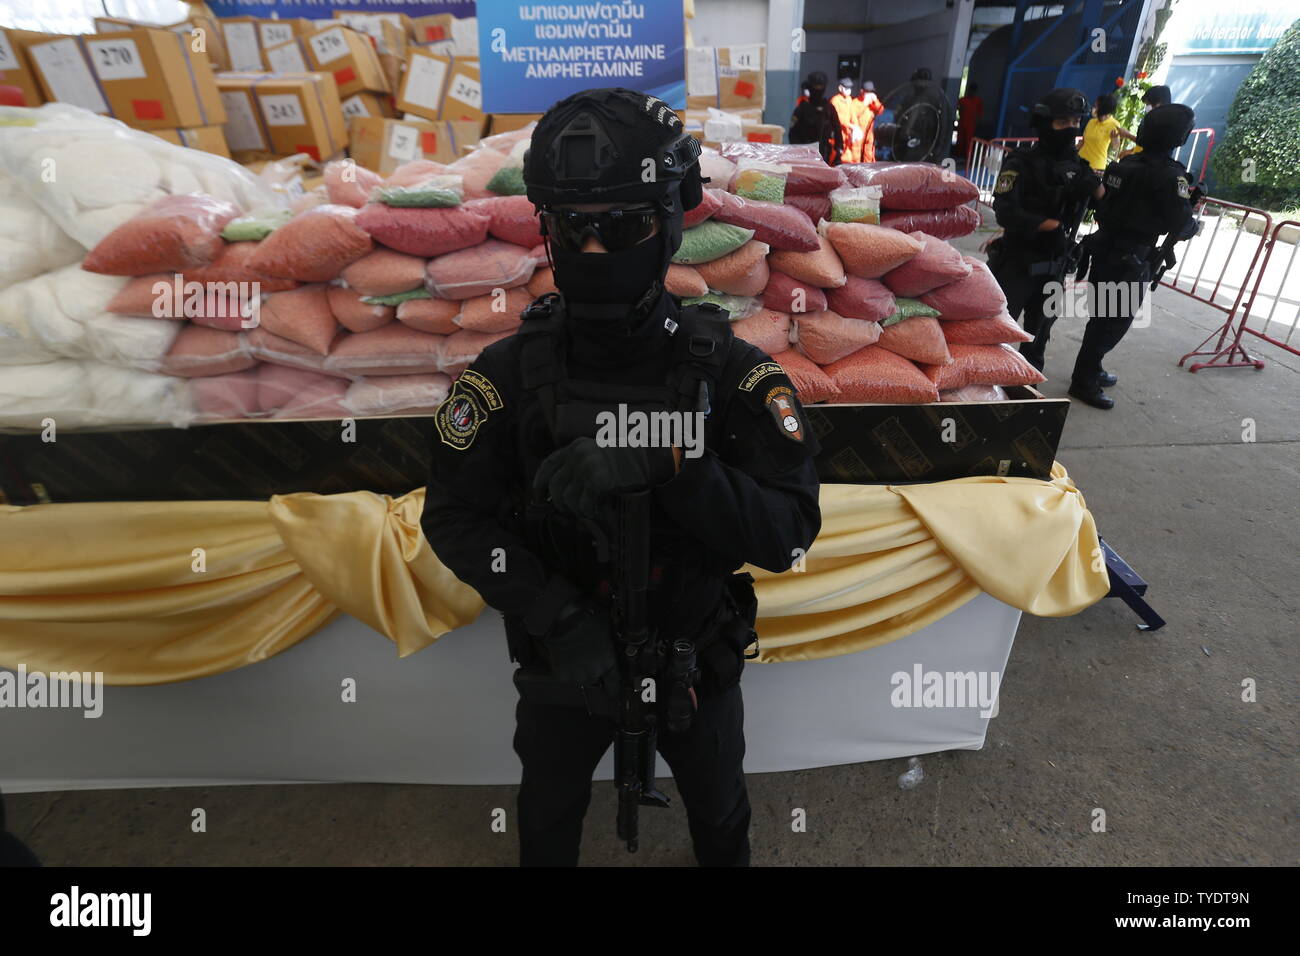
1105,379
1092,395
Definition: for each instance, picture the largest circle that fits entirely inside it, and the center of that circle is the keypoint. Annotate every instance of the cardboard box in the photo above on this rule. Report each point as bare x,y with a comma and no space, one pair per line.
763,133
424,83
370,23
741,76
382,145
392,54
274,32
464,33
283,114
367,105
464,98
699,117
210,139
349,56
388,33
432,29
16,68
147,78
893,444
506,122
213,40
247,37
242,45
729,78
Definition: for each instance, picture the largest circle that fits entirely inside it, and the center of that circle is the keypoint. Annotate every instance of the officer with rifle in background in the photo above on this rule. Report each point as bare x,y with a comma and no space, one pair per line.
613,562
1041,195
1148,194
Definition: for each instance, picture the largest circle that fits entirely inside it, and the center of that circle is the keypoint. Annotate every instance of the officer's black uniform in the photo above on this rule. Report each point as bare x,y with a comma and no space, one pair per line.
750,497
1047,180
1147,196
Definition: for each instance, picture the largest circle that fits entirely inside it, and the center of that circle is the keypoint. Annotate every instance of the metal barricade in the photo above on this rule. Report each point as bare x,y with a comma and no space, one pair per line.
983,163
1230,264
1195,153
1271,310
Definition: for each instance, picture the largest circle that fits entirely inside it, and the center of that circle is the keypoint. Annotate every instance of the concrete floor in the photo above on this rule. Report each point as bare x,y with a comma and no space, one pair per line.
1151,728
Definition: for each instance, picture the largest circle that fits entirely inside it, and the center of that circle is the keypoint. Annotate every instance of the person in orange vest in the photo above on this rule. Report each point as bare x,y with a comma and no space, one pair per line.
869,107
969,110
849,111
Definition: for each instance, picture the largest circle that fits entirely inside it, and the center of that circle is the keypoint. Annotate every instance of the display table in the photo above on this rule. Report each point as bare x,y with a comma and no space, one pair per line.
228,629
446,715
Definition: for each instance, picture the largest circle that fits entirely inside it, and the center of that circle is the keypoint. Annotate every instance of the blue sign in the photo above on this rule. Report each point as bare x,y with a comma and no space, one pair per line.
324,9
1248,26
534,54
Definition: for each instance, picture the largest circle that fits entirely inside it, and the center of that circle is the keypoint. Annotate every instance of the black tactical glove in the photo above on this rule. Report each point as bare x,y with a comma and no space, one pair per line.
1080,186
581,647
1057,242
578,475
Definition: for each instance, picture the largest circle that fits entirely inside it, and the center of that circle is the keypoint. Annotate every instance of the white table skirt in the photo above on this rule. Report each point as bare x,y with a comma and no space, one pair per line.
446,714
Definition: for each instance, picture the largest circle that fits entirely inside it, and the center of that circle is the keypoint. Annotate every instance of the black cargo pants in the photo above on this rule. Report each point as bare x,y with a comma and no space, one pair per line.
561,746
1026,294
1119,275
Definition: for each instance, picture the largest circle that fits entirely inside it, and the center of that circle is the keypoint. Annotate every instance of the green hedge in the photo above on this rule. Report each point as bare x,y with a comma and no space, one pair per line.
1263,132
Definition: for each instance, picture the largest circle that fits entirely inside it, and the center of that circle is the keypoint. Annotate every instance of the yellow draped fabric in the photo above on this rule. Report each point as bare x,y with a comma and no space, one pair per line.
154,592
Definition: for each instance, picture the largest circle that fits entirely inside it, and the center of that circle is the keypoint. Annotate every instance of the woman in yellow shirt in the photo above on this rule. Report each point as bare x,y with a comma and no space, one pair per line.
1102,132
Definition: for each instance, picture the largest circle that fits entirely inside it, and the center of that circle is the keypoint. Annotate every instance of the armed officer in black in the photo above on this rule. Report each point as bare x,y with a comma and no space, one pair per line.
1148,194
524,472
1039,200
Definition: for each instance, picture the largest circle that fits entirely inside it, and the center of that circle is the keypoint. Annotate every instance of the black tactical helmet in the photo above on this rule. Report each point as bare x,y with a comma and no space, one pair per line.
1061,102
593,146
817,79
1166,127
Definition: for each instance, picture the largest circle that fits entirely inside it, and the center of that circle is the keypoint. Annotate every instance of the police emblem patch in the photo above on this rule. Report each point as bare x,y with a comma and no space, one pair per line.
1006,181
458,419
780,402
1184,190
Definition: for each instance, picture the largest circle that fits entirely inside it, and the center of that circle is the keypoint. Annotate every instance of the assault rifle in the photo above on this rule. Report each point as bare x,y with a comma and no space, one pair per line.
1069,261
1162,258
640,658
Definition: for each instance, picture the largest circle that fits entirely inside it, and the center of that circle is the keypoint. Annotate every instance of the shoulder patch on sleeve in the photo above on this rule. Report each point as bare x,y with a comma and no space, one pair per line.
1006,180
1184,190
780,403
759,372
484,387
460,416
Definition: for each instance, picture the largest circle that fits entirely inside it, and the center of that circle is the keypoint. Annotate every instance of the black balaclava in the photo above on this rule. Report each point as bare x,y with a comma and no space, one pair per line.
1057,143
816,87
616,300
607,278
1060,103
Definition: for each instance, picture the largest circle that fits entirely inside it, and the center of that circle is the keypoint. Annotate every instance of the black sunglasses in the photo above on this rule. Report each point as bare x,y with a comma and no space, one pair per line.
617,229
